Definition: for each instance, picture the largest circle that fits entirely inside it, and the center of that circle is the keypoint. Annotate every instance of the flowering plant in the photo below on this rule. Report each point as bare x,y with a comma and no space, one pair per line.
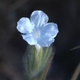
37,31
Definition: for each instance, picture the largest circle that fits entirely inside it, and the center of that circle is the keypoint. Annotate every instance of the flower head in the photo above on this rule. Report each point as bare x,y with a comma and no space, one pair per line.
37,30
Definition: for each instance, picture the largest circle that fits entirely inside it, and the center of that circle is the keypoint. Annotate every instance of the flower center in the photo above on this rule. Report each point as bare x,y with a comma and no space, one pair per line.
36,34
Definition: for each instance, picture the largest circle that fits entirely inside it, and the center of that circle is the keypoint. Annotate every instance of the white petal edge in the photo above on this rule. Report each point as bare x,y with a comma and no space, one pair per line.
45,43
24,25
50,29
38,18
29,39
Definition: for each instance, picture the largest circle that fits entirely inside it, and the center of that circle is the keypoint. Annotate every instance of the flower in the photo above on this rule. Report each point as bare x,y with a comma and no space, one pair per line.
37,30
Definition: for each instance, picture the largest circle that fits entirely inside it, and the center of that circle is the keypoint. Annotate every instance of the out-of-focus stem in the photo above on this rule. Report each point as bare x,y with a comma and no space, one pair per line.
44,74
76,73
49,63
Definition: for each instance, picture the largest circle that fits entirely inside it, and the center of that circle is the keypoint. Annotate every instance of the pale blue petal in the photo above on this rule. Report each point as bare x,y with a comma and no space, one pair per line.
48,33
45,42
50,30
24,25
38,18
29,39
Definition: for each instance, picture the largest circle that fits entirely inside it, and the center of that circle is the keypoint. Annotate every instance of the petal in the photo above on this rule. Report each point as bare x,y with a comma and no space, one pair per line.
24,25
29,39
48,33
50,30
38,18
45,42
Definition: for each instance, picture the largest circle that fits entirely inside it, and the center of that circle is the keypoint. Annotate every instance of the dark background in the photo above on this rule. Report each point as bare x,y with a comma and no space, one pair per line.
66,13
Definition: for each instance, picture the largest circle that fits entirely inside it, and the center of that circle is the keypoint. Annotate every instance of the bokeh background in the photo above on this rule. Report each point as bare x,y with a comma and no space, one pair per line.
66,13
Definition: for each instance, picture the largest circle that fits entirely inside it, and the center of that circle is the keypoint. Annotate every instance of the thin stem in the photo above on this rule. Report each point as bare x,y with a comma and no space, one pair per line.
76,73
49,63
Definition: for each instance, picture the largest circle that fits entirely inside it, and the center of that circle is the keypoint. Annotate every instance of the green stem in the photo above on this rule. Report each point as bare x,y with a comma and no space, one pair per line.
44,74
38,63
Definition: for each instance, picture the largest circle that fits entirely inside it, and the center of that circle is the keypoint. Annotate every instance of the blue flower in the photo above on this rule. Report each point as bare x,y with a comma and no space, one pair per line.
37,30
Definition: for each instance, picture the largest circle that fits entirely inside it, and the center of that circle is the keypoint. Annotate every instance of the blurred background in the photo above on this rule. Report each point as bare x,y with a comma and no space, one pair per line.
66,13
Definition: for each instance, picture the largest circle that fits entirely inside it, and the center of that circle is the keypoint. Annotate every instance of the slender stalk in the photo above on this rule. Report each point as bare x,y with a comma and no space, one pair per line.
76,73
44,73
49,63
